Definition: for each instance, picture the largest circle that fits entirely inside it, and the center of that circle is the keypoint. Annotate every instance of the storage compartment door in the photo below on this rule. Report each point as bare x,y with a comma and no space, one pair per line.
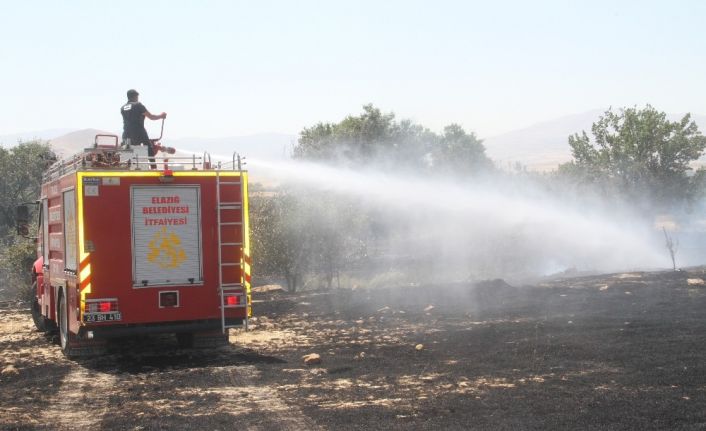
166,235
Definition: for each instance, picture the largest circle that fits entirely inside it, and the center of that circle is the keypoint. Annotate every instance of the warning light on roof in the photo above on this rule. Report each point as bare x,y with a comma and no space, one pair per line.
167,176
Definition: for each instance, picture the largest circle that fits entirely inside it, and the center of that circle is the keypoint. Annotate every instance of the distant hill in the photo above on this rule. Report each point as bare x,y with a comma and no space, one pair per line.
543,146
10,140
73,142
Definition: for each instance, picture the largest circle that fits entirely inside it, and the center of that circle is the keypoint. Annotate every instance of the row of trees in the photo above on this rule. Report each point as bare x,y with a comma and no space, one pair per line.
633,156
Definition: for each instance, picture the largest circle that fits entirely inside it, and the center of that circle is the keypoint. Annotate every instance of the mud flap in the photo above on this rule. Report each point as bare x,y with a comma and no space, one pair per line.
84,348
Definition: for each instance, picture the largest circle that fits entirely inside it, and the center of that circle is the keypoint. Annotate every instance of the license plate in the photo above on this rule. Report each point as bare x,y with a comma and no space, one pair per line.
102,317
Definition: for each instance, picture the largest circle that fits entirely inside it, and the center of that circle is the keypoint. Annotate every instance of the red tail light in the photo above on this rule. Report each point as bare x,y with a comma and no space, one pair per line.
232,300
101,305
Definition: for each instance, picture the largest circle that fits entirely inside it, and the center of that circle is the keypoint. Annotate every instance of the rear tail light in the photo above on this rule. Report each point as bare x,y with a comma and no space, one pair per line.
101,305
230,300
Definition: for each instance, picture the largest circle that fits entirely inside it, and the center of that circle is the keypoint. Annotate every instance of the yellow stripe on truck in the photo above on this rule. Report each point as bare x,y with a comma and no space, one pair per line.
157,173
84,274
246,240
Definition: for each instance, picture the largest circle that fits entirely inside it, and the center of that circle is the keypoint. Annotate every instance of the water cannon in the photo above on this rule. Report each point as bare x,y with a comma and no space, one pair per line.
159,147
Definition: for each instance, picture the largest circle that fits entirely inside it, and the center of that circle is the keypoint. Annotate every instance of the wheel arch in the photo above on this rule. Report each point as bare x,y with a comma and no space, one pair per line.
37,267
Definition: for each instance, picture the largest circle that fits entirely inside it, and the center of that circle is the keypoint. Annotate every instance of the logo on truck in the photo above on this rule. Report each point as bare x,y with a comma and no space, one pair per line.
165,250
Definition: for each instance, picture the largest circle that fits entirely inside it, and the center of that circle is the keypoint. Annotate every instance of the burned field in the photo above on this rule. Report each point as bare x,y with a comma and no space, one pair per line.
620,351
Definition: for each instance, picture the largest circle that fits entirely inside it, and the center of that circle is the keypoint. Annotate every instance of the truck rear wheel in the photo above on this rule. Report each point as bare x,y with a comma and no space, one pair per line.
63,325
39,320
64,333
71,345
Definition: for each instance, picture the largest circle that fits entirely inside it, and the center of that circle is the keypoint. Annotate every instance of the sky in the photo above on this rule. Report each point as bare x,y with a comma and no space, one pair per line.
233,68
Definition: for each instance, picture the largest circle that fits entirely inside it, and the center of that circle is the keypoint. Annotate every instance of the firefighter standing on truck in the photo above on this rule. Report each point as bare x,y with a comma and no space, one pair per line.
134,132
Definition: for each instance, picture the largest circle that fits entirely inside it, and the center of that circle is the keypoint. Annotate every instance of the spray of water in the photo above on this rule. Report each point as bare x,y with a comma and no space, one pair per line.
489,228
501,228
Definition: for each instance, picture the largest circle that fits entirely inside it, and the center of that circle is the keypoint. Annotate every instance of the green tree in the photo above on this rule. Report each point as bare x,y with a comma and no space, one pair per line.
299,233
638,153
16,257
339,229
356,138
280,239
22,167
377,137
306,233
460,153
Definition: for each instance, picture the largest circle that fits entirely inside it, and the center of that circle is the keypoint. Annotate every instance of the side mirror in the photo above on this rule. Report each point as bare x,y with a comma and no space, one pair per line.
22,220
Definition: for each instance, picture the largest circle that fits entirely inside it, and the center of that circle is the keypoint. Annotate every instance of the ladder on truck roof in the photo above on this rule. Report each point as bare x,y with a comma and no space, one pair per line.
230,245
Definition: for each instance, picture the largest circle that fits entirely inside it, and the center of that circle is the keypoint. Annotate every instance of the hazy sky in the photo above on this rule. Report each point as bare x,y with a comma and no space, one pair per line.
222,68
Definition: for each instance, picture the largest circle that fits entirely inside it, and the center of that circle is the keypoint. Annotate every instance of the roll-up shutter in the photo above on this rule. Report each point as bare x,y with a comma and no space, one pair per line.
166,235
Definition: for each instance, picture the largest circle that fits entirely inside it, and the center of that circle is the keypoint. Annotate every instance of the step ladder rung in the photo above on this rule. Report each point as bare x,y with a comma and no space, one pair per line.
231,264
229,182
231,243
236,292
231,223
237,204
231,285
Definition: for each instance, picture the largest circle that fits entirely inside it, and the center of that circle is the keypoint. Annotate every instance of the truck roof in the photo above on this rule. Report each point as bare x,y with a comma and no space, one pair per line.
115,157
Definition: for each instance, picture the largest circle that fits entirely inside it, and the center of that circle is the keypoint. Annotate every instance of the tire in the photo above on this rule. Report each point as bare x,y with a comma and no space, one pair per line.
63,319
39,320
71,346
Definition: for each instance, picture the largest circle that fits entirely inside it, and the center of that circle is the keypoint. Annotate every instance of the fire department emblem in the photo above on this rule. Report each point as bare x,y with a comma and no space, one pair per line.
165,250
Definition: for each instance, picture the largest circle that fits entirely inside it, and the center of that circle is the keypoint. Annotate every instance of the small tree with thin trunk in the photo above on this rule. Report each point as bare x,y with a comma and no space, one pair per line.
671,246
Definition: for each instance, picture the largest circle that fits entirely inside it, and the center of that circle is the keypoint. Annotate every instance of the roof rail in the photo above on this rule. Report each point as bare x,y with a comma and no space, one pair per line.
134,158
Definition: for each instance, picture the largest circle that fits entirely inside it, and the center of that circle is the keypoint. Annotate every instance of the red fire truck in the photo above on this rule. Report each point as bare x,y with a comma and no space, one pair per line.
126,249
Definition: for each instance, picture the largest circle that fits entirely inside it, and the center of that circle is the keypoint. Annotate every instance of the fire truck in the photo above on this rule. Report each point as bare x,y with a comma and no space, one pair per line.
129,244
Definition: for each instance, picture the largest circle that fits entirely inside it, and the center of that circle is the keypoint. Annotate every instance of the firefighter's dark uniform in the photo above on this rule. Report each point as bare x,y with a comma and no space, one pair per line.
134,125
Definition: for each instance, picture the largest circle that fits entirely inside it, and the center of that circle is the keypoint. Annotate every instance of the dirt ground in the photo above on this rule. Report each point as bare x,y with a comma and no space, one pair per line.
620,351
